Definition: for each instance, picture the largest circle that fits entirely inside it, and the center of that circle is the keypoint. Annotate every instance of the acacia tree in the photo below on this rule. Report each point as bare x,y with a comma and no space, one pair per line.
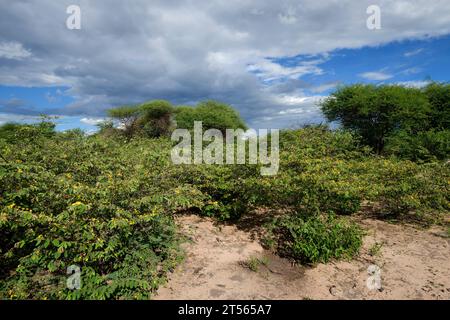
376,112
151,119
213,114
156,118
127,116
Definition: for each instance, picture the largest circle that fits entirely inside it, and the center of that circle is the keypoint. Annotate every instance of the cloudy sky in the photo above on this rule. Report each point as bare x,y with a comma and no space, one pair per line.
273,60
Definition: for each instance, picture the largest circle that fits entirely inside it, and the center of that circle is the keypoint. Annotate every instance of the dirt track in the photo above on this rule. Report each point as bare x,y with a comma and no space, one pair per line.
415,264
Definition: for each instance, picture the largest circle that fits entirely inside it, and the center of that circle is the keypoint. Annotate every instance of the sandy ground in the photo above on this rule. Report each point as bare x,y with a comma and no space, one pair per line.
414,264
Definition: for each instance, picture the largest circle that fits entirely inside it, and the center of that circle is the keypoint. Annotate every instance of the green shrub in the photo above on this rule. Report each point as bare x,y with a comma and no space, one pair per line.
102,205
429,145
316,238
15,133
107,204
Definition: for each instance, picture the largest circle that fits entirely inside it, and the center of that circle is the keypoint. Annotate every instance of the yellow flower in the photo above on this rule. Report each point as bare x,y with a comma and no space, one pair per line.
78,203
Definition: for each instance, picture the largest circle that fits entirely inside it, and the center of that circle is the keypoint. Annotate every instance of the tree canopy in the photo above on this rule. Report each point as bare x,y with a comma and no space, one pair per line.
384,115
159,117
213,114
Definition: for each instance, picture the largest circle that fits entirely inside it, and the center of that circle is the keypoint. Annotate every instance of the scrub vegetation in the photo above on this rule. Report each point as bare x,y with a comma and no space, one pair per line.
106,202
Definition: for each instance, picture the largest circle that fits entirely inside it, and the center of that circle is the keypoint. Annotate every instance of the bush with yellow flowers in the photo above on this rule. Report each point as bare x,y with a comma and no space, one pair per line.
106,204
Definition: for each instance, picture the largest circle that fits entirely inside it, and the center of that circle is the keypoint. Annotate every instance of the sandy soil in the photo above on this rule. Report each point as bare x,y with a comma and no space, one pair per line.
415,264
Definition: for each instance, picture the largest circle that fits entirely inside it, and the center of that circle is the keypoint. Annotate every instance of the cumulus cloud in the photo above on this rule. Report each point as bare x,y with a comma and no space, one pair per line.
270,71
185,51
13,50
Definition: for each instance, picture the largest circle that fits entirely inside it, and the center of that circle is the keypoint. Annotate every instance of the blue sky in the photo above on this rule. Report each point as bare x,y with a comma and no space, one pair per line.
42,99
406,62
272,61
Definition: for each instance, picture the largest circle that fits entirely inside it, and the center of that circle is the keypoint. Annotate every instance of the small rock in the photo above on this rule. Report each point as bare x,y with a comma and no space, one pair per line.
333,290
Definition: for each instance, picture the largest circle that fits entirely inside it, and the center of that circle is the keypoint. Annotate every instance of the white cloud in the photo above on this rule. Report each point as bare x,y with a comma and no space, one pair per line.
413,83
185,51
92,121
8,117
270,71
324,87
91,132
375,75
13,50
292,100
413,52
412,70
289,16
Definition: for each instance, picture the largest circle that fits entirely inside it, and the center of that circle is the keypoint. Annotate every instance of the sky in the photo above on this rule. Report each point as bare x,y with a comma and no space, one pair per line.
272,60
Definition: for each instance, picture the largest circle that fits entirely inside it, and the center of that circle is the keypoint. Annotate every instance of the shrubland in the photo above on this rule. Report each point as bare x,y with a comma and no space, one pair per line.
107,202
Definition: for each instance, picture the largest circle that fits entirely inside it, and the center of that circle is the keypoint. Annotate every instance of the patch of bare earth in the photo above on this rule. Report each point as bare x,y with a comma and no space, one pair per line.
415,264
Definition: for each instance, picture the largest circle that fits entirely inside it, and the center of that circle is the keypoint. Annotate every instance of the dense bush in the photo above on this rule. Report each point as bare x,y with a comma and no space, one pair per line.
428,145
323,170
102,205
16,133
106,204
